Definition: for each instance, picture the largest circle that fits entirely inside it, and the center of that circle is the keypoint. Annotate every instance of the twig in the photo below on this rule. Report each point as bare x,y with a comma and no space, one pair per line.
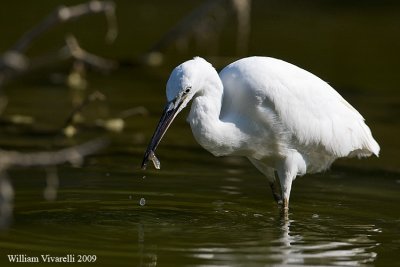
180,31
133,111
117,124
89,99
63,54
205,21
185,26
64,14
93,60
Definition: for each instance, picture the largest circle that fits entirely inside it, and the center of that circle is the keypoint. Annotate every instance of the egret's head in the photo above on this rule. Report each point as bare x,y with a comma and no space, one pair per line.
185,81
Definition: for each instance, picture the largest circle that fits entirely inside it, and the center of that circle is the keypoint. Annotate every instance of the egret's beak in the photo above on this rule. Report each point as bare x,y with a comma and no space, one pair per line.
169,114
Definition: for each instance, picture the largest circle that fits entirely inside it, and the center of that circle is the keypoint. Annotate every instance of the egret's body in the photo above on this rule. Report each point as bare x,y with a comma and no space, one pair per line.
283,118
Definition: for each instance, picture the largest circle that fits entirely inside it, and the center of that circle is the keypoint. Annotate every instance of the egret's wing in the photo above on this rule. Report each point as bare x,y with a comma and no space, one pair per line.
309,109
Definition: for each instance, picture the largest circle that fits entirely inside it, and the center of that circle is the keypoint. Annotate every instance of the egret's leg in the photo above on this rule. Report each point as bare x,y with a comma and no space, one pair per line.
276,188
286,180
272,179
275,185
288,169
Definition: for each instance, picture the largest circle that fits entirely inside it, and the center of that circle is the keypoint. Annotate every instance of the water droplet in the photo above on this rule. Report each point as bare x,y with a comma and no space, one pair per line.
315,216
142,201
130,196
144,177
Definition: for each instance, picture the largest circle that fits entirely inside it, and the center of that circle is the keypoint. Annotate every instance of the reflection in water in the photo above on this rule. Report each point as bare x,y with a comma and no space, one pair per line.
146,258
317,249
299,244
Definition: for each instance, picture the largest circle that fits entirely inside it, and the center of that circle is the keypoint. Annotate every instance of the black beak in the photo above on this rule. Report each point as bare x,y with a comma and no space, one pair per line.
170,111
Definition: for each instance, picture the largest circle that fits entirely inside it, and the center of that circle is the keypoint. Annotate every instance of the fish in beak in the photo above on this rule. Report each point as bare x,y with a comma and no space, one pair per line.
170,111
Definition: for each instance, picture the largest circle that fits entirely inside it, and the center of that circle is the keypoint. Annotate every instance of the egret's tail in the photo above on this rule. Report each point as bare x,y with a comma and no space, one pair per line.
374,147
368,144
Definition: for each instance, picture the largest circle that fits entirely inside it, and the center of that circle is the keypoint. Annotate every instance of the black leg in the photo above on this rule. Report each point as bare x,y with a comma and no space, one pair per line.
276,189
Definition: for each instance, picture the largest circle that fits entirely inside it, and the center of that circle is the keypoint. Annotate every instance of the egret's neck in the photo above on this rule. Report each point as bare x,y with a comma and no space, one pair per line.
216,136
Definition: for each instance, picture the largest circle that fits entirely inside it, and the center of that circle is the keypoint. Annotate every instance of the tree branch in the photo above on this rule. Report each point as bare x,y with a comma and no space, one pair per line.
64,14
73,155
14,60
204,24
91,59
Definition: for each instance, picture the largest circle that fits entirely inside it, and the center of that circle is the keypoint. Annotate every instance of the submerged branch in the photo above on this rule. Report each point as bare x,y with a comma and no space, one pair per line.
9,159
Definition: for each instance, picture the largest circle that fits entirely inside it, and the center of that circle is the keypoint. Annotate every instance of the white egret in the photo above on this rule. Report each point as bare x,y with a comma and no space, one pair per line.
284,119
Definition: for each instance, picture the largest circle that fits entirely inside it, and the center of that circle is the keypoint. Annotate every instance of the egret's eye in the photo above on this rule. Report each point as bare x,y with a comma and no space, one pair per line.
188,89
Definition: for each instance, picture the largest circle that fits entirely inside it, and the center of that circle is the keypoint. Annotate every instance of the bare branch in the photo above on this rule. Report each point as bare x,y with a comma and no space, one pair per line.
14,62
65,14
78,53
72,50
73,155
180,31
204,24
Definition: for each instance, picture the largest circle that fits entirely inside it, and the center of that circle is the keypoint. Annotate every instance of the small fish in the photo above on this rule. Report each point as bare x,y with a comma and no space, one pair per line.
155,160
150,156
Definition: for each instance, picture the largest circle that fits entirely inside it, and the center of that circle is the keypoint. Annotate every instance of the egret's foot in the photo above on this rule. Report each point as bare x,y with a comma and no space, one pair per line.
284,204
283,214
284,208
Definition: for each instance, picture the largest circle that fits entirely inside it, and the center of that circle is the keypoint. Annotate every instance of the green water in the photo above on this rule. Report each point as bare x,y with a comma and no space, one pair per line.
205,211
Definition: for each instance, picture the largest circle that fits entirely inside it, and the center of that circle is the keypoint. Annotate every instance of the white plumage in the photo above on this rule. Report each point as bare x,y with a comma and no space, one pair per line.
283,118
